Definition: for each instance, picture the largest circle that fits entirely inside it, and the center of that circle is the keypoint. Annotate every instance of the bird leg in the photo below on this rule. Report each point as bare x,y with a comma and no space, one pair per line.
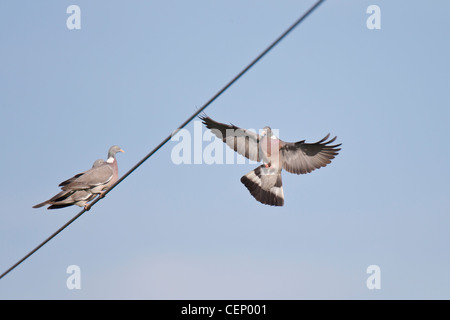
102,194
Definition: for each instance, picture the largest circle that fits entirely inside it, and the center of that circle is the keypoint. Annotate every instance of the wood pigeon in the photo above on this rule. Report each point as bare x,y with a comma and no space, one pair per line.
84,186
97,179
264,183
69,198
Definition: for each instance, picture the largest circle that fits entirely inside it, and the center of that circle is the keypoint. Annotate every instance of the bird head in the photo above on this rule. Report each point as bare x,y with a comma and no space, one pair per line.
98,163
112,152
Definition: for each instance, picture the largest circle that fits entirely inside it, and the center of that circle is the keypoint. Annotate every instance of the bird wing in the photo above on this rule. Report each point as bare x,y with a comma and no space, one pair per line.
243,141
300,157
94,177
97,163
66,182
79,197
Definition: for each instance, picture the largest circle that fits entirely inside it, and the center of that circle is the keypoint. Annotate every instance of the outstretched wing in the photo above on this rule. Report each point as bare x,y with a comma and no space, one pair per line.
243,141
300,157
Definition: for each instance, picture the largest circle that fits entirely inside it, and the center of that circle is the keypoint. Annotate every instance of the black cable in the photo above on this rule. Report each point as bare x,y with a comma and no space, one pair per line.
229,84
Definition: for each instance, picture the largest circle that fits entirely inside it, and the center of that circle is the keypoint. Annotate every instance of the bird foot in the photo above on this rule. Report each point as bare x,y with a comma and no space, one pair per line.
266,165
102,194
87,206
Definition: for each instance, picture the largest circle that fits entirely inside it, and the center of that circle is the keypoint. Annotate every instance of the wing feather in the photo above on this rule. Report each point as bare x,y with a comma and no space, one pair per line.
244,142
300,157
94,177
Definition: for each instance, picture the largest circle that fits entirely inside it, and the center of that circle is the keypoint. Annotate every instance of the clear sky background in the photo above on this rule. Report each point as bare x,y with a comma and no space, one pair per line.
136,70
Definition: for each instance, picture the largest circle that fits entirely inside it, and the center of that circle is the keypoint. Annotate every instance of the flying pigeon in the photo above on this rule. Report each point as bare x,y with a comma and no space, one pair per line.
84,186
264,182
69,198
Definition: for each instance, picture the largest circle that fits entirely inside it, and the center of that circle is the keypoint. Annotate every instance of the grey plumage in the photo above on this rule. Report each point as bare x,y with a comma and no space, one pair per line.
85,186
265,183
97,163
67,198
98,178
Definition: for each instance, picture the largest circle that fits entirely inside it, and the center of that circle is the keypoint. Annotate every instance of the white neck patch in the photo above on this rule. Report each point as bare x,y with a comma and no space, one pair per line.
110,160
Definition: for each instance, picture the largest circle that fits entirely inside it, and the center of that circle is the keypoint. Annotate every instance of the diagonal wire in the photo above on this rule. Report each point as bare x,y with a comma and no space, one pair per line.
229,84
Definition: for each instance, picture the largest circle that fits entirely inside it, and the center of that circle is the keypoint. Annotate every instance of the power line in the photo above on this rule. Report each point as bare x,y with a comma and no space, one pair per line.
229,84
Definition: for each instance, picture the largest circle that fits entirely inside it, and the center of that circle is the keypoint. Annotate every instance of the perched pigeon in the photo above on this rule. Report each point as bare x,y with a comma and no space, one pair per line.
84,186
69,198
264,183
97,179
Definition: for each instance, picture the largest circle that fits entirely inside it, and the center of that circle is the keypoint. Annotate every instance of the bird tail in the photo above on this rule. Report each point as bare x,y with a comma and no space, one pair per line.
63,195
41,204
59,206
265,185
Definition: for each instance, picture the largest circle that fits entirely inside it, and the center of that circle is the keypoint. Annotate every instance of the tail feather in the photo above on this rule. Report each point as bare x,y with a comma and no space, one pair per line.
59,206
63,195
265,185
41,204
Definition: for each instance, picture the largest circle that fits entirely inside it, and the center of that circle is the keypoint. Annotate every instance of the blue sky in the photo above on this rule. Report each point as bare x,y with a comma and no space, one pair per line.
134,72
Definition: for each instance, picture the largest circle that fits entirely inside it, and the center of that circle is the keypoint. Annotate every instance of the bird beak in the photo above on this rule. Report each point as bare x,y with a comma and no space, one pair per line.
264,132
121,150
